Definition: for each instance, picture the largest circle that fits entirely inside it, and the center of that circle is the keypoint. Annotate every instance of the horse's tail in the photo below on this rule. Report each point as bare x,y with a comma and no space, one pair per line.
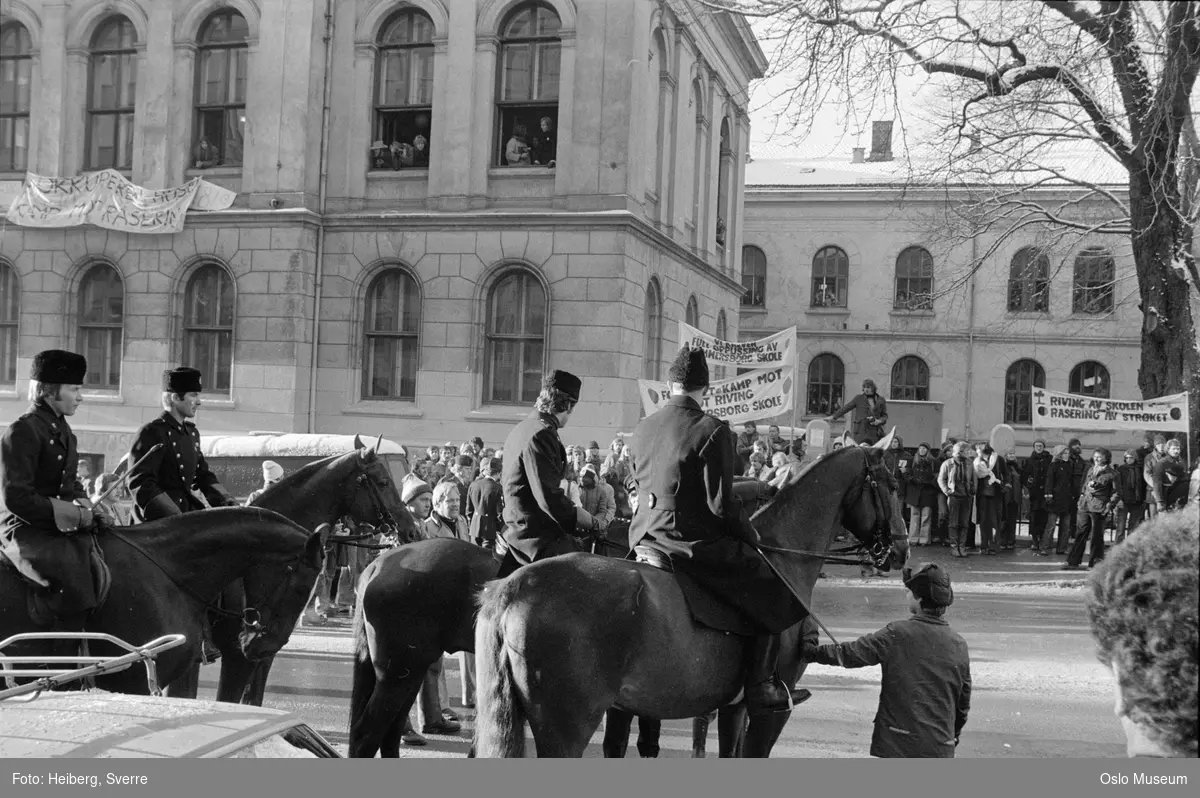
500,718
363,684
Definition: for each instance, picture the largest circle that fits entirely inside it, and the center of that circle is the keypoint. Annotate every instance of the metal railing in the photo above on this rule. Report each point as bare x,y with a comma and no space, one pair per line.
48,678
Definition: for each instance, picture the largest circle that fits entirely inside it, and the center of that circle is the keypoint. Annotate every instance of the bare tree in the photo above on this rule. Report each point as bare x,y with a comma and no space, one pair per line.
1094,97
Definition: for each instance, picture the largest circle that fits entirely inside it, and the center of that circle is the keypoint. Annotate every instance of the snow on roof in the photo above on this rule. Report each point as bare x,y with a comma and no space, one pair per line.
315,446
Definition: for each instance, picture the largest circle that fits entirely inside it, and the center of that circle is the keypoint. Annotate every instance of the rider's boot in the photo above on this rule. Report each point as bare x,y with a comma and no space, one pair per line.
765,692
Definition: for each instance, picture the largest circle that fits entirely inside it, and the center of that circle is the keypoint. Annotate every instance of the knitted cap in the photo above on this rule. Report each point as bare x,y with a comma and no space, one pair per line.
413,487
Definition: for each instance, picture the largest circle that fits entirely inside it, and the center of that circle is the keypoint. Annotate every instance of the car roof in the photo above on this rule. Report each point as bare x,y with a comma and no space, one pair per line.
97,724
289,445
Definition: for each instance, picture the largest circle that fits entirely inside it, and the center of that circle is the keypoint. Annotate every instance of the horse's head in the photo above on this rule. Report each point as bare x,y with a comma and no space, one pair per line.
872,512
277,591
374,498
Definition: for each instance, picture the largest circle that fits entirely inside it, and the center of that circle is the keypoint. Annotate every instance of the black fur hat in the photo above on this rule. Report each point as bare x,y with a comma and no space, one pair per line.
58,367
564,382
690,369
181,380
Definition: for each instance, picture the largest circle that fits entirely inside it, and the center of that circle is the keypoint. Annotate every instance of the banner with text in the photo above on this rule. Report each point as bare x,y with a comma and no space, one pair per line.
1052,409
774,350
754,395
106,199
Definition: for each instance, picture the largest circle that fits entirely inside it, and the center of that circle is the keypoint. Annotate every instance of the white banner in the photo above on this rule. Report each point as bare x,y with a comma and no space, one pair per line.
106,199
754,395
774,350
1052,409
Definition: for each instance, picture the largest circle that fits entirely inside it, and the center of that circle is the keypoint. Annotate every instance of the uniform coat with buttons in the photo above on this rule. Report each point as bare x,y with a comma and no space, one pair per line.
684,459
176,469
38,460
539,518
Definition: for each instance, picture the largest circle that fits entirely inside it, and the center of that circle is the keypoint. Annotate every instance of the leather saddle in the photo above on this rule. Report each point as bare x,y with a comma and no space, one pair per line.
39,598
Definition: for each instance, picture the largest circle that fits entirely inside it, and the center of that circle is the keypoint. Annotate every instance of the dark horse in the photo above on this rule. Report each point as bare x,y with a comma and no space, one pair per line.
166,577
357,484
561,641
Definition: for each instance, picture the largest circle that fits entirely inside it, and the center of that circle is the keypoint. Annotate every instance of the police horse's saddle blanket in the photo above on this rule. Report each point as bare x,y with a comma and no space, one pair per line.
39,601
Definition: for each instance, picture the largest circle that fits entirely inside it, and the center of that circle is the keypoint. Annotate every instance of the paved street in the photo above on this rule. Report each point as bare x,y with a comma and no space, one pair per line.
1038,690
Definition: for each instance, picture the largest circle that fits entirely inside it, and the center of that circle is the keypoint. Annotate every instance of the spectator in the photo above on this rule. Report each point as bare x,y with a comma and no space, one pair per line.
990,497
1079,469
1142,606
1097,503
775,442
1170,487
958,484
616,462
592,452
1153,457
462,474
779,461
892,460
446,521
941,528
1194,485
477,442
112,506
516,151
788,472
485,504
1131,495
596,497
758,466
272,472
745,443
870,414
1059,505
544,147
926,692
1037,468
1012,501
920,494
204,156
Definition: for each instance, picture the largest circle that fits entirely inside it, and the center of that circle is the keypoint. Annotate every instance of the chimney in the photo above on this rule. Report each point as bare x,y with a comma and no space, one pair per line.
881,141
857,156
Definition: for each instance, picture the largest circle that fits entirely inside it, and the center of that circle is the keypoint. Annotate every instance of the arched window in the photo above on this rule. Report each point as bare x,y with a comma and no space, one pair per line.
652,357
221,90
700,173
910,379
1022,377
660,76
393,324
1094,275
830,278
101,323
16,83
527,103
754,277
914,280
404,92
826,384
208,325
516,342
1029,282
692,313
112,85
1090,378
10,318
724,164
721,335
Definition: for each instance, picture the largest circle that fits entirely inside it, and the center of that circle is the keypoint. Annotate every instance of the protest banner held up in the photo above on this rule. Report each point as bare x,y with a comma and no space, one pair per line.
774,350
1052,409
747,397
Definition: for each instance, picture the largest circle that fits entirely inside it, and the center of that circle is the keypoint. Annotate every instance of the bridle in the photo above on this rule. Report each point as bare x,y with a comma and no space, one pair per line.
878,550
251,617
388,525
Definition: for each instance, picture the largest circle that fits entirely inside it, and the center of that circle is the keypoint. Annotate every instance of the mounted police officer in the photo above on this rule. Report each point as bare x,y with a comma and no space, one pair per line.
539,518
687,516
46,511
162,484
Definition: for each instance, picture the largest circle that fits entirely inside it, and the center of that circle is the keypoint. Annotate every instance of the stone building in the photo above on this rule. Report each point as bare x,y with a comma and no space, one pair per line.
863,264
436,202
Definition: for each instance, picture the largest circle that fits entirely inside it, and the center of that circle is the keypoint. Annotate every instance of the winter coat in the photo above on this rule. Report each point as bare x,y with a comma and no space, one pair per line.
1099,486
1037,468
1058,488
1131,485
921,487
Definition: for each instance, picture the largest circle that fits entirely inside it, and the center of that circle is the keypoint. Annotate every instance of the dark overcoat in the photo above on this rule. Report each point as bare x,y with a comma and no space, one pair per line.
176,469
539,519
485,507
683,463
38,460
1037,469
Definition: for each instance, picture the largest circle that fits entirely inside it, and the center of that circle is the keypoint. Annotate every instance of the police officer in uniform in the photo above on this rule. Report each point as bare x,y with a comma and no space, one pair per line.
539,518
46,511
162,484
683,462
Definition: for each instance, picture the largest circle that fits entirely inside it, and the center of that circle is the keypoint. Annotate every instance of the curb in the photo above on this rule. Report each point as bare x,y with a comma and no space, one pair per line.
961,587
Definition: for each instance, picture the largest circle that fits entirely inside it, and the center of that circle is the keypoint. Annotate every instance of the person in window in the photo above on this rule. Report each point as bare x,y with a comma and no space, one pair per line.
381,156
870,414
420,145
544,145
205,155
516,152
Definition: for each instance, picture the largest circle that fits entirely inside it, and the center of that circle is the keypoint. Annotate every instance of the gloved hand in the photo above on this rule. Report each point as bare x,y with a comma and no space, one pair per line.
87,520
102,520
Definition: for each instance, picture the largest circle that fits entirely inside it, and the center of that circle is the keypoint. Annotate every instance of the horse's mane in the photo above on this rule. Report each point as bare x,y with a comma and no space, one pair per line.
799,484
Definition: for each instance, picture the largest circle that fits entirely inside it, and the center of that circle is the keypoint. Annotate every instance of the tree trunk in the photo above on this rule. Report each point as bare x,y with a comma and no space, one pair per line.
1162,252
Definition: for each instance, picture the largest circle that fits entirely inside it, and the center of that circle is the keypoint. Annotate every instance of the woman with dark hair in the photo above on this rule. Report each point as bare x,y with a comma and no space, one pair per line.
1095,506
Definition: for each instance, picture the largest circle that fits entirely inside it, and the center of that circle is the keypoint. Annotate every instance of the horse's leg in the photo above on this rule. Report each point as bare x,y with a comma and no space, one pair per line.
731,730
649,733
369,732
763,733
256,690
617,723
185,686
236,672
700,735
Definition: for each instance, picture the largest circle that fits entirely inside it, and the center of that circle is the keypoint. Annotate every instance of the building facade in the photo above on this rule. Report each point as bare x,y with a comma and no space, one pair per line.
436,202
878,288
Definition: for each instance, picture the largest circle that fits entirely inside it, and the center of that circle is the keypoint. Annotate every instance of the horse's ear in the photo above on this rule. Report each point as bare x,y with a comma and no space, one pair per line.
887,440
358,444
379,445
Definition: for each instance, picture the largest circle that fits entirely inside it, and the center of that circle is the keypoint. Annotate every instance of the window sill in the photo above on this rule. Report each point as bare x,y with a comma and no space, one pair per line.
928,314
827,311
506,413
214,171
15,176
502,172
760,310
1034,315
1108,316
396,409
103,398
9,393
398,174
224,403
